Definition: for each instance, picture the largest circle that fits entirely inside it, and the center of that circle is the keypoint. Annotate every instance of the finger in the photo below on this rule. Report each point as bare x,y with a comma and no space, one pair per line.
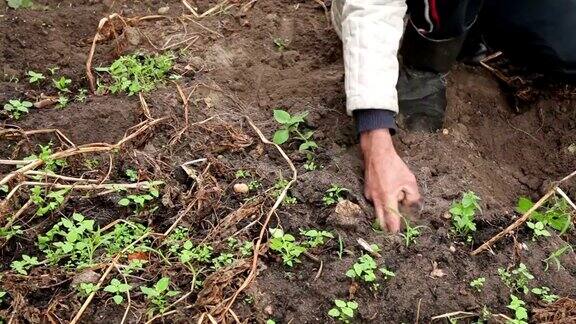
392,215
412,198
380,216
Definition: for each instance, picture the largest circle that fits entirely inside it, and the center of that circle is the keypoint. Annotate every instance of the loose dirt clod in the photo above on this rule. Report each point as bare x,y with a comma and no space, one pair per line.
346,215
241,188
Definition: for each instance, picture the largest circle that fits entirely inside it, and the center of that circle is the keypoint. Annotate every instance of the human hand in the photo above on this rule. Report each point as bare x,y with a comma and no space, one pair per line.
387,179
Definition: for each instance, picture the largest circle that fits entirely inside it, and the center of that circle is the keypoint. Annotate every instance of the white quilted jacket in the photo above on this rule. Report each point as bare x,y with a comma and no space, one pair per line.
370,31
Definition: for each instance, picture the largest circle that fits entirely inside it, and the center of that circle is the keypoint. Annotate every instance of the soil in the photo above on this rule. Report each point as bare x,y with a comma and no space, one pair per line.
232,70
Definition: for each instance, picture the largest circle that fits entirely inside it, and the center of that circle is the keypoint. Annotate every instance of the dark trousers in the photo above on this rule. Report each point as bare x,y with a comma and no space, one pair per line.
538,33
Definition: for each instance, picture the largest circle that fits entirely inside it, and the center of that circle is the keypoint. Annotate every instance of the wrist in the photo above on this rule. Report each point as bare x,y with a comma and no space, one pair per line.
379,139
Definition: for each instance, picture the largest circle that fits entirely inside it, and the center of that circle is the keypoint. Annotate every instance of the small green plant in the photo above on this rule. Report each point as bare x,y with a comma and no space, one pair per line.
387,273
10,232
280,43
17,108
86,288
555,256
62,102
316,238
344,311
246,249
254,185
310,164
91,164
17,4
544,294
81,95
333,195
285,244
290,125
520,311
49,202
2,295
537,230
364,269
223,260
159,294
62,84
139,202
50,164
555,214
517,279
201,253
478,283
134,266
35,77
463,214
411,233
25,264
131,174
242,174
277,190
53,69
118,289
138,73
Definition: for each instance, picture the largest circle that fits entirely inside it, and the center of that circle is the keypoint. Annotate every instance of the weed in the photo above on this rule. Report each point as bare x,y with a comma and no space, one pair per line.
242,174
344,310
2,295
478,283
333,195
537,229
280,43
91,164
310,164
270,321
285,245
49,202
223,260
517,279
200,253
86,288
246,249
555,214
520,311
17,108
117,288
316,238
35,77
17,4
254,185
62,102
134,266
131,174
53,69
139,202
62,84
122,235
25,264
544,294
290,124
50,164
138,73
277,190
158,294
364,269
463,214
387,273
81,95
555,256
411,233
8,233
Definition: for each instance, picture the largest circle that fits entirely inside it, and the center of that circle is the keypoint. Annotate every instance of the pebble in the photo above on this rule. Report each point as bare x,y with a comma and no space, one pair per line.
452,248
163,10
241,188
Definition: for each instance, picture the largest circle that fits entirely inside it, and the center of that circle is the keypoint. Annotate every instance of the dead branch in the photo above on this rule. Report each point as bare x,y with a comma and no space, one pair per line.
524,217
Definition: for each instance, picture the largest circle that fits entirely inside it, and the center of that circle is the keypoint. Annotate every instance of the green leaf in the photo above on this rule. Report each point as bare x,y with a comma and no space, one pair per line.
334,312
282,116
118,299
124,202
524,204
348,312
281,136
340,303
351,273
162,284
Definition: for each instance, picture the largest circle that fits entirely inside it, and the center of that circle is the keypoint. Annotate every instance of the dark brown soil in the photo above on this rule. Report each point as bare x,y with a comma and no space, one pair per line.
234,71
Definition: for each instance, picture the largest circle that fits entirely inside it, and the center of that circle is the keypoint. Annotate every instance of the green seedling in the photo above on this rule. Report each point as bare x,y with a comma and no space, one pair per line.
344,311
224,259
53,69
277,190
201,253
86,288
62,84
411,233
50,164
25,264
4,189
387,273
242,174
316,238
159,294
131,174
81,95
284,244
310,164
62,101
538,230
138,73
10,232
478,283
270,321
91,164
555,214
333,195
517,279
246,249
363,269
555,256
118,289
544,294
463,214
2,295
290,125
134,266
139,202
281,43
520,311
48,202
17,4
17,108
121,236
35,77
254,185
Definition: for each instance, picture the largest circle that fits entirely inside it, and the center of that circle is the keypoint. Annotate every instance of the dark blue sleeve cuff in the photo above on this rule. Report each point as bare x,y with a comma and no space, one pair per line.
371,119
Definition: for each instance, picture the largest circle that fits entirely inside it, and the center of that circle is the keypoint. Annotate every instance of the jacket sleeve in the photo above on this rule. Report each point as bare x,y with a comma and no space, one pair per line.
370,31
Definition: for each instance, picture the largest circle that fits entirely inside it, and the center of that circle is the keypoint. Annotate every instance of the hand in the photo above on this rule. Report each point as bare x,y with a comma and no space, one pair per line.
387,179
